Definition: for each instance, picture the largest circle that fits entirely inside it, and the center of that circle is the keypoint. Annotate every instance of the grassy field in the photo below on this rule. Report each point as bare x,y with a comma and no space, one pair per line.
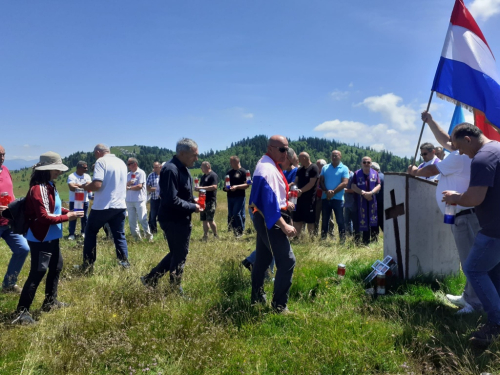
115,326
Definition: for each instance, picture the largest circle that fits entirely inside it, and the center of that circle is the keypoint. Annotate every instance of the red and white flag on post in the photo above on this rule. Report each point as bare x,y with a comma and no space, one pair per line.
467,74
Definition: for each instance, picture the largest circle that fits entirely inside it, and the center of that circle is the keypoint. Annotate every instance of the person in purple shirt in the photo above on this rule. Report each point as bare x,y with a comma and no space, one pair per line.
482,266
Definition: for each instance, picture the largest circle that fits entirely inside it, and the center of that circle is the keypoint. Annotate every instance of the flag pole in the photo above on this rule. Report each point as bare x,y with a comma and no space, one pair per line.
422,130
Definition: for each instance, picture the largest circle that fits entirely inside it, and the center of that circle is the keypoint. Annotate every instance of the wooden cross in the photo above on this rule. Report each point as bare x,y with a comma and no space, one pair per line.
392,213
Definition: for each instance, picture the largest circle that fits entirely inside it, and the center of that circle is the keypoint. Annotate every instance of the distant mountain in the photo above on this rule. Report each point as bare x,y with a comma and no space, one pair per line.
16,164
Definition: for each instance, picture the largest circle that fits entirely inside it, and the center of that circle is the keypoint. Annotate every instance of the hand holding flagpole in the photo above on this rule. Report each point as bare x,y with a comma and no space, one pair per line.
422,130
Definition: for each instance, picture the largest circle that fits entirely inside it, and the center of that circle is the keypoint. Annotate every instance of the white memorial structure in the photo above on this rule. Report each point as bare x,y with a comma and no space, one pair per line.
415,235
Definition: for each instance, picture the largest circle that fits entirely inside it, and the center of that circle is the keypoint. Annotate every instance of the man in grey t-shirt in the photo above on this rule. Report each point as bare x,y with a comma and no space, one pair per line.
482,266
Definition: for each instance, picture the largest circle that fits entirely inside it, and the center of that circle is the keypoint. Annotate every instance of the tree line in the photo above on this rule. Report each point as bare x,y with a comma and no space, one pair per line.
250,150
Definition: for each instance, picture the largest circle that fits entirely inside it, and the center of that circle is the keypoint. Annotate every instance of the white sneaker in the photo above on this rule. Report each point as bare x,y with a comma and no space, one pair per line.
457,300
83,235
467,309
71,238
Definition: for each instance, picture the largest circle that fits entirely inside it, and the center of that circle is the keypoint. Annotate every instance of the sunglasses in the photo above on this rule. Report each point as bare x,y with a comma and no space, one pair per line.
367,162
281,149
424,154
130,163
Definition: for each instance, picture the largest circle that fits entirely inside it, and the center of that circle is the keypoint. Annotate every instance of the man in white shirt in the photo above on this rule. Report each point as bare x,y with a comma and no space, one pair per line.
110,187
136,200
78,180
428,153
455,176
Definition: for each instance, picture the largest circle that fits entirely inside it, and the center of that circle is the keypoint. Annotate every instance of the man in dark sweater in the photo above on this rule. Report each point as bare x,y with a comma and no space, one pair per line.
177,205
208,183
236,196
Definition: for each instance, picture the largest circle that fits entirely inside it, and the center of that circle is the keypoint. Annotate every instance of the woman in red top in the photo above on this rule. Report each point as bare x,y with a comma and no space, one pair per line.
46,215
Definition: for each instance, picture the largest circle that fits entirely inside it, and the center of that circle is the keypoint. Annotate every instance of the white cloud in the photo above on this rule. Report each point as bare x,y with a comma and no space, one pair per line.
469,117
339,95
484,9
351,84
247,115
398,134
399,115
378,146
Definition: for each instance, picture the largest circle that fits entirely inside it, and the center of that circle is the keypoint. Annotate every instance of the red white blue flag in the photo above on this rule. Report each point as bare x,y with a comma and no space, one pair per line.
269,191
467,73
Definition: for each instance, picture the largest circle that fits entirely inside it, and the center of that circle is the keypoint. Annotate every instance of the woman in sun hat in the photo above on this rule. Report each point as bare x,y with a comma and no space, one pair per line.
46,215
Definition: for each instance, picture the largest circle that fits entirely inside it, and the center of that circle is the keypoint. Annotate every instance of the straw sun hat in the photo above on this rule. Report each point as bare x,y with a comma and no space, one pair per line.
50,161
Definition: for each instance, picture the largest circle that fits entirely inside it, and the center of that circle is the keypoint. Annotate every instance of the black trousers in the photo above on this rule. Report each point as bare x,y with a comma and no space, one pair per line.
272,242
44,256
177,236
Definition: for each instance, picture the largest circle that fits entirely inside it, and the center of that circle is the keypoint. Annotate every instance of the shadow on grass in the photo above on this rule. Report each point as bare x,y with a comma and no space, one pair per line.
430,328
233,304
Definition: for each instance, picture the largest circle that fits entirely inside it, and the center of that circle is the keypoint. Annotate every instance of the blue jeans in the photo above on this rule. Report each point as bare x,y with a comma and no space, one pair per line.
351,219
83,222
236,214
20,249
326,210
253,255
154,209
482,269
115,217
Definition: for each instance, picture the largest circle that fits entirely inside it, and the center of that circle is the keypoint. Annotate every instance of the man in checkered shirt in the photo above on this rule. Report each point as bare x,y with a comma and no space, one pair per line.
152,185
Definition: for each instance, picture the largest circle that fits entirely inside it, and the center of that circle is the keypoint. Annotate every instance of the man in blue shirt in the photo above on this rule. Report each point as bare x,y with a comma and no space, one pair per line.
333,180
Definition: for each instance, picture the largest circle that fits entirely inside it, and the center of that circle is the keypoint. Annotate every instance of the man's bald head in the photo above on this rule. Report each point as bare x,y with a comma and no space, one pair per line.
277,139
277,147
2,155
304,159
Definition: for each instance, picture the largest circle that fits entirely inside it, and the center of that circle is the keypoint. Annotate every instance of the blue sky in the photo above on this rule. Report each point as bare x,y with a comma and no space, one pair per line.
77,73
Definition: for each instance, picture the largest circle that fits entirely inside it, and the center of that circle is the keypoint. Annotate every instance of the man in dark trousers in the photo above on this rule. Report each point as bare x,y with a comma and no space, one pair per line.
236,196
208,182
177,205
271,220
154,203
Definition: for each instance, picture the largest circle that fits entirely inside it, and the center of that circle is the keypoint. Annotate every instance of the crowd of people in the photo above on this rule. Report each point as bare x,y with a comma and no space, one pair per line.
352,200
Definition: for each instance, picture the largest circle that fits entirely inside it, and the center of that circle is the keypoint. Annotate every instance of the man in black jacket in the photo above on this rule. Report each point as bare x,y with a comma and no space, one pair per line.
177,205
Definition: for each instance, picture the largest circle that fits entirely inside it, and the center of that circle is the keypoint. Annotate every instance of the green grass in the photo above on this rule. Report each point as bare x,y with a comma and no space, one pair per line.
115,326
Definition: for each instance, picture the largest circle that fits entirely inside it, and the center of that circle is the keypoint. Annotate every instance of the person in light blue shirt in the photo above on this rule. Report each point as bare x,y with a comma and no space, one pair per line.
333,180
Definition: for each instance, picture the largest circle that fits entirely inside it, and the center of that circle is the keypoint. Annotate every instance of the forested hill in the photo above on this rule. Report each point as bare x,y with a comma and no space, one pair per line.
250,150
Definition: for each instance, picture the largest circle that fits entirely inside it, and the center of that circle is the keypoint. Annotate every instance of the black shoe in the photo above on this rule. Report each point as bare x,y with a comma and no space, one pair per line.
124,263
148,284
486,334
85,268
47,306
259,299
24,318
247,265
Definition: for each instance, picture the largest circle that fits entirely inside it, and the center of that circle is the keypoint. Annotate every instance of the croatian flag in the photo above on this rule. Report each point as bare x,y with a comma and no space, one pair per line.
269,190
467,73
